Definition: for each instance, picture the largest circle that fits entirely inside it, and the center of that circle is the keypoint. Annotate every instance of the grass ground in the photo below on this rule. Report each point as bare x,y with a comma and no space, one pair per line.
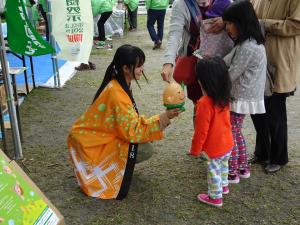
164,188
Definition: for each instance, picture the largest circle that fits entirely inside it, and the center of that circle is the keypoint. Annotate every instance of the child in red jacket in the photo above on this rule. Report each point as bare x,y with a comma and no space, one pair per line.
213,134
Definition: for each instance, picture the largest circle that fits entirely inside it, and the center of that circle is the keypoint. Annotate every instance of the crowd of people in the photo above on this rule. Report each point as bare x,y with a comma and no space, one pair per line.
104,141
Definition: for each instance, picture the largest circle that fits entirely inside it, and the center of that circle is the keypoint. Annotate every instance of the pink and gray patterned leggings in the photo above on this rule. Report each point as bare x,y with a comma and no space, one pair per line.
238,159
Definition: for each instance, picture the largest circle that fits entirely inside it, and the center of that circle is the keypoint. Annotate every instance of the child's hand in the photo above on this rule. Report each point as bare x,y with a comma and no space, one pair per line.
171,113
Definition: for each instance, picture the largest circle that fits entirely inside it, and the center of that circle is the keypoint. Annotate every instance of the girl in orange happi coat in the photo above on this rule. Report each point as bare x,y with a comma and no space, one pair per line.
103,142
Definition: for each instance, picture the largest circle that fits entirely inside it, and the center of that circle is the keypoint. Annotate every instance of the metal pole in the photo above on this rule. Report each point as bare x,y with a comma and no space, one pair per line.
53,44
10,99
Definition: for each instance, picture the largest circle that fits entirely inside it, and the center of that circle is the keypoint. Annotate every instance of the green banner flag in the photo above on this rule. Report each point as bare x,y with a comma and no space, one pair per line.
21,36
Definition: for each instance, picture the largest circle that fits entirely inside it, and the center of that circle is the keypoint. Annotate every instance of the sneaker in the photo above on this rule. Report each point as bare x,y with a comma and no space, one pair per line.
244,173
233,179
103,45
132,29
96,42
218,202
108,38
272,168
225,190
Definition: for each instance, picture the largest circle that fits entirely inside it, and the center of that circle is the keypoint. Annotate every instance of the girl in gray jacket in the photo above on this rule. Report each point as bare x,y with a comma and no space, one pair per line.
247,68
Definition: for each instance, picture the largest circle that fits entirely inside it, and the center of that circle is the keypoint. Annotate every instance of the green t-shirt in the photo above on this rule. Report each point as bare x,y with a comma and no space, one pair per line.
157,4
132,4
101,6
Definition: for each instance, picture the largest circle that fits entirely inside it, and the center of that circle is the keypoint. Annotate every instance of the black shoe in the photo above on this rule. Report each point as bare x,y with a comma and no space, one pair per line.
82,67
272,168
256,160
157,45
92,65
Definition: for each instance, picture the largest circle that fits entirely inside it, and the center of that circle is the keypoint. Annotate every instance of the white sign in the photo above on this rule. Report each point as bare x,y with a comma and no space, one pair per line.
72,28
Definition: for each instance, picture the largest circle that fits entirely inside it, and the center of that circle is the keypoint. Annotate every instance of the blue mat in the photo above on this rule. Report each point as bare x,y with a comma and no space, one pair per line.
42,66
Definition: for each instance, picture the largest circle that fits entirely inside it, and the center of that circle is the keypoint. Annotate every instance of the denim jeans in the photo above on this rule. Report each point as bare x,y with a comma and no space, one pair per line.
156,16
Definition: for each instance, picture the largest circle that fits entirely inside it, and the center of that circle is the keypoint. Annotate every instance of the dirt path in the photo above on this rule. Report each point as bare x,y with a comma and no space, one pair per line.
164,188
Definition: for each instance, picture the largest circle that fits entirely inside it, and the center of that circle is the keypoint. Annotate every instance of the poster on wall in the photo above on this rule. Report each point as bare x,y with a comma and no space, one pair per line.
72,28
21,202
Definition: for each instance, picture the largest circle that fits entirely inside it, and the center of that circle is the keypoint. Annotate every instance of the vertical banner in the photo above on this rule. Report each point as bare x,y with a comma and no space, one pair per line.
21,36
72,28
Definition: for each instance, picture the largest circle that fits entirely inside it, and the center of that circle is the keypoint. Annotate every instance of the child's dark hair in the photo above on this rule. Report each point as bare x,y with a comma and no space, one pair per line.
212,73
242,14
126,55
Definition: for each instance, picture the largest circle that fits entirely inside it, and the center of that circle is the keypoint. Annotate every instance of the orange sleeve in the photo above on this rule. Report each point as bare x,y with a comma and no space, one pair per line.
204,114
132,127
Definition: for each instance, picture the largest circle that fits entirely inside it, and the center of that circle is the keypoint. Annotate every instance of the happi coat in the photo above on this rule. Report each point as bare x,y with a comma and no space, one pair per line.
103,143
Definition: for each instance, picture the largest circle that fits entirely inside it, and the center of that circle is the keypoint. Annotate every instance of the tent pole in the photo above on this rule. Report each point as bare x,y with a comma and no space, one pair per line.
53,44
10,99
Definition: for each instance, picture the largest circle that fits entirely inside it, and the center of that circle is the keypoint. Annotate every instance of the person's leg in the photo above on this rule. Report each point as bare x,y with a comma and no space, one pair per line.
214,181
263,143
151,19
243,166
134,18
233,176
224,172
160,24
130,19
278,129
101,31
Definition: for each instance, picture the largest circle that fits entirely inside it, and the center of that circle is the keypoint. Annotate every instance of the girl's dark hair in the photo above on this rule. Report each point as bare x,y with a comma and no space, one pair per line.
242,14
126,55
212,73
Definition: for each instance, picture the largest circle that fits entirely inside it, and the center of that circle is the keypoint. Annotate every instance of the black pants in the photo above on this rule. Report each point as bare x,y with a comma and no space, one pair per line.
271,131
132,18
100,24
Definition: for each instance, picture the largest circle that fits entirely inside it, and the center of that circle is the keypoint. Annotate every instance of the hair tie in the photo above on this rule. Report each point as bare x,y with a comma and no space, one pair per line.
115,70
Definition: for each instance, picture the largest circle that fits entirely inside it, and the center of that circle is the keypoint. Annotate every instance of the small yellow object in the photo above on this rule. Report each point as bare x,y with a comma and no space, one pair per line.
173,96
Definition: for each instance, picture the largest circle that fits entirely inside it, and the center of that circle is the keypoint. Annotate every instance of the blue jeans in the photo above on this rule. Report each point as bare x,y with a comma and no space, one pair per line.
159,17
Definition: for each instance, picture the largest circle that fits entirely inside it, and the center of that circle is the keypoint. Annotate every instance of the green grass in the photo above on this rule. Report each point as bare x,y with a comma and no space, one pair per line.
164,188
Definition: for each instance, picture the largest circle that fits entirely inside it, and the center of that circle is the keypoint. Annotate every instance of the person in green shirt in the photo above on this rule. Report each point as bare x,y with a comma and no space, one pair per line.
156,11
105,8
42,6
132,8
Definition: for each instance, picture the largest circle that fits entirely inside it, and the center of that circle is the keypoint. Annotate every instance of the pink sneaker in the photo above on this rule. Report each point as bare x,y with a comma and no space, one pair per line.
233,179
244,173
225,190
218,202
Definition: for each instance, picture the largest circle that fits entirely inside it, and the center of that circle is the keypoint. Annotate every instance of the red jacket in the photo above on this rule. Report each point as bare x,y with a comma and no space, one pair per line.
212,129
